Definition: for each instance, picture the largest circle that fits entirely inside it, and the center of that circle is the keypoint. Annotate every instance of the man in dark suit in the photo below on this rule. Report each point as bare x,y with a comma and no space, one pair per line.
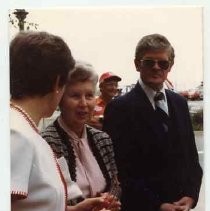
153,137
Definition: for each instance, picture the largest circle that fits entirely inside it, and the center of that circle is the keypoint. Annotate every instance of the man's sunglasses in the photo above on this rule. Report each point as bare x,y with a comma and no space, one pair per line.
149,63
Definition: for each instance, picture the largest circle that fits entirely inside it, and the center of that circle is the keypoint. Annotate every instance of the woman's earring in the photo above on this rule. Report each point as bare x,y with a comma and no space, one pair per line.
57,91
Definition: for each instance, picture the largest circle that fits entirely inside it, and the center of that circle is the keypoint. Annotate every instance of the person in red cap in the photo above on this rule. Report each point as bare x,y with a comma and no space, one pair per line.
108,84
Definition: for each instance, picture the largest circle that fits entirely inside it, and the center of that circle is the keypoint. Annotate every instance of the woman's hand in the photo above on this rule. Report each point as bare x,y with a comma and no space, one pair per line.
90,204
106,202
112,201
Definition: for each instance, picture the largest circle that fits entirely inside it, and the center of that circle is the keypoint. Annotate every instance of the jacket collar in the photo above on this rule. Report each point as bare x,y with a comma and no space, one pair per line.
144,108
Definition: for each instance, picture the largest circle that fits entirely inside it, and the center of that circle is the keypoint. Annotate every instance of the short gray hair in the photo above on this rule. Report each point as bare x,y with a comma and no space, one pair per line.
82,72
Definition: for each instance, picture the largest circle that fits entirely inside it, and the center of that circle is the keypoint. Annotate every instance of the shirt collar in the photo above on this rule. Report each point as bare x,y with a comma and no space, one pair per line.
151,93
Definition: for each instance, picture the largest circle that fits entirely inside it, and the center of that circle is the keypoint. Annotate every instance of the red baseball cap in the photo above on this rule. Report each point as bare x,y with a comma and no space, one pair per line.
109,75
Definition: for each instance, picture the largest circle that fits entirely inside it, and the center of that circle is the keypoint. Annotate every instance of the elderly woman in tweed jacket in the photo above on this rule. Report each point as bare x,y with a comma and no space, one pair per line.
88,152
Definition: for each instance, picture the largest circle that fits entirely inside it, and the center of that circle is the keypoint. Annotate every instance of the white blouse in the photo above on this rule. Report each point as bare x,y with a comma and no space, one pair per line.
34,173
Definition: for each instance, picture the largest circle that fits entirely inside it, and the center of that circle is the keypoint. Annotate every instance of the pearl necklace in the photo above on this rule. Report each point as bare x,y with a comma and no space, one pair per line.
26,116
34,127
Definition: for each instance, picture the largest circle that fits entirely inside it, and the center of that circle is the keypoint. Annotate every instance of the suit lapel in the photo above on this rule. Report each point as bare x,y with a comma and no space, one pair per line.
175,111
143,107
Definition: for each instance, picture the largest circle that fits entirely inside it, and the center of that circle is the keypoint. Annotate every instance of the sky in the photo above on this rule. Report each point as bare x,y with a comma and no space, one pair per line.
181,47
107,37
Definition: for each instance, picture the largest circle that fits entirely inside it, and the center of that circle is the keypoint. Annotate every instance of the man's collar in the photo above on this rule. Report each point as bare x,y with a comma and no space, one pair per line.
150,92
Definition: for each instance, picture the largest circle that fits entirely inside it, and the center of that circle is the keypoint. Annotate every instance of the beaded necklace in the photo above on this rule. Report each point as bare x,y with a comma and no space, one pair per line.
34,127
25,115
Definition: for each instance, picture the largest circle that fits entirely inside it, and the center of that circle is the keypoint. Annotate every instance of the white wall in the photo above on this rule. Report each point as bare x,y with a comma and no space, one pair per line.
107,37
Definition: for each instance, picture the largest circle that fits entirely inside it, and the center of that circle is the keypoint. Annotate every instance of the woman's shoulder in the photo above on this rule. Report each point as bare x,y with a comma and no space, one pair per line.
50,133
99,137
95,131
50,128
20,128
